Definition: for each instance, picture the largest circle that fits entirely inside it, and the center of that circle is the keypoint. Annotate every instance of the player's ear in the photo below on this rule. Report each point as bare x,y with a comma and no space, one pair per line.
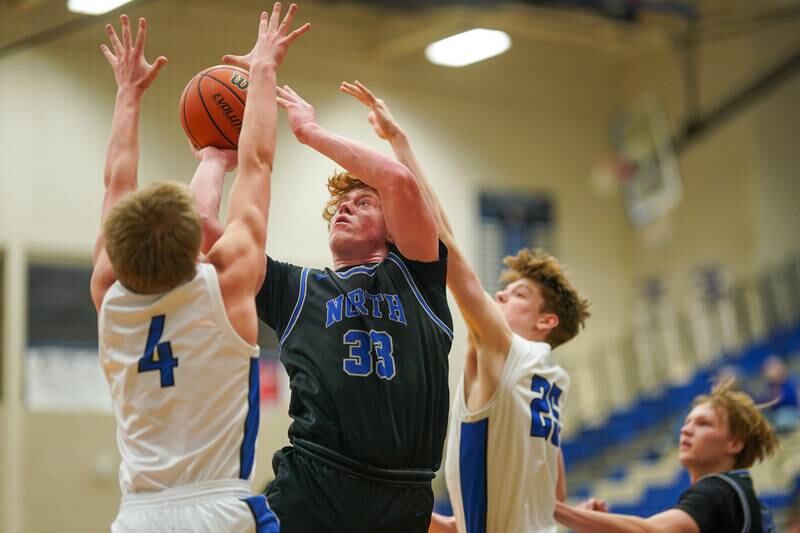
548,321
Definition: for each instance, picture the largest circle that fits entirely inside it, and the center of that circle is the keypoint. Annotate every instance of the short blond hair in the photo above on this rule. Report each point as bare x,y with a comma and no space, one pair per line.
746,422
560,297
153,237
340,184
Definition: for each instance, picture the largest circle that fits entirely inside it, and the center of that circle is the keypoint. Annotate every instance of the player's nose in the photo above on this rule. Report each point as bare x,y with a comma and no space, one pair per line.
345,206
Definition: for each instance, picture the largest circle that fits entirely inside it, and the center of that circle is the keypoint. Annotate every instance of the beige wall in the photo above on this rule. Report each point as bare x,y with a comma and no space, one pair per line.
533,119
741,178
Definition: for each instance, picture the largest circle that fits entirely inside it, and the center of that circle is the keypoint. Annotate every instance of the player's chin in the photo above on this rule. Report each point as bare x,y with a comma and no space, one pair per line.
685,455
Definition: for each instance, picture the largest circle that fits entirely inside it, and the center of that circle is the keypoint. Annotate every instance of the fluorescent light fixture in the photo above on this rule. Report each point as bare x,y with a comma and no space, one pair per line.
94,7
468,47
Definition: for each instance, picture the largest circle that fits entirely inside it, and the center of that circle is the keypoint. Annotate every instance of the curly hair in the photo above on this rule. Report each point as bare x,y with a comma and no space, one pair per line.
340,184
560,297
746,422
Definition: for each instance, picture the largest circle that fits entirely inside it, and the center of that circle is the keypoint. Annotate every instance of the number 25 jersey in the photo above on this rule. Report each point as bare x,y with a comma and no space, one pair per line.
501,465
183,383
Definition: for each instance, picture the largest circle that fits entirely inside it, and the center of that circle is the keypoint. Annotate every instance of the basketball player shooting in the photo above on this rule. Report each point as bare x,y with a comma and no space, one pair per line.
365,345
177,336
503,462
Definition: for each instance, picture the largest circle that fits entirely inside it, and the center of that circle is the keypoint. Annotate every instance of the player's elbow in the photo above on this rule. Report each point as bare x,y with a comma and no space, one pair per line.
402,183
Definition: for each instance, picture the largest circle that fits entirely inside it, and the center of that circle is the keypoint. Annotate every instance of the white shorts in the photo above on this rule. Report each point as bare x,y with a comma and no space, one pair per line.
210,507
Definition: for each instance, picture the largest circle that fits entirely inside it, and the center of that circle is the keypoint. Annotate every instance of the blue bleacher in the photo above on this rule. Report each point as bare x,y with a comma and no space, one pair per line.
649,410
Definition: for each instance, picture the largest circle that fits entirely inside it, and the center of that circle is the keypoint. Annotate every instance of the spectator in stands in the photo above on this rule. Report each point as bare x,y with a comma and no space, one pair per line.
724,434
781,395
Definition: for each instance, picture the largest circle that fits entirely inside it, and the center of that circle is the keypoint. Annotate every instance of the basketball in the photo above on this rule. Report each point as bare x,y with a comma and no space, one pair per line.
212,106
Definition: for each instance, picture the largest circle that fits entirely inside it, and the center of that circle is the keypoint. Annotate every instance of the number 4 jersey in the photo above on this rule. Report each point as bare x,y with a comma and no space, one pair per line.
502,459
183,383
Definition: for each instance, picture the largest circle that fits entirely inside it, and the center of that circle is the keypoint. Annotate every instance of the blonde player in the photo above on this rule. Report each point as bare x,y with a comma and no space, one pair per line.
503,459
177,333
723,435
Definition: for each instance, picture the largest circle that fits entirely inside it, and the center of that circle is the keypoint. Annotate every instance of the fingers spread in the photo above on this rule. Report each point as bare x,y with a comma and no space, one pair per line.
298,32
141,35
276,16
112,36
263,23
109,56
287,20
126,31
160,62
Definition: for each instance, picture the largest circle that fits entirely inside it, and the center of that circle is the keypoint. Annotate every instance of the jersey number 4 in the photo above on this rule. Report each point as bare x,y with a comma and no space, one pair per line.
545,411
165,361
362,345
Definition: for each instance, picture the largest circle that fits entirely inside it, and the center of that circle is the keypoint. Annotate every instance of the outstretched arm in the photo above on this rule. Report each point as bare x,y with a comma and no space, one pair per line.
408,216
207,188
583,520
239,253
483,318
133,75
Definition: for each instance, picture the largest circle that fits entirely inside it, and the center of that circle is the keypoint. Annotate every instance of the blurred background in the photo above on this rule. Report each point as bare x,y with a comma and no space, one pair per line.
651,145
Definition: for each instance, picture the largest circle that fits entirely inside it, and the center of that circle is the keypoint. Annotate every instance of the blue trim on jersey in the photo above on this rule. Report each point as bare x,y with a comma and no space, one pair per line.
472,470
298,307
404,269
369,271
247,453
266,520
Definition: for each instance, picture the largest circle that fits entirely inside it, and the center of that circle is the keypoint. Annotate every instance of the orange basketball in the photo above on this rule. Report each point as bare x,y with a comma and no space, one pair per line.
212,106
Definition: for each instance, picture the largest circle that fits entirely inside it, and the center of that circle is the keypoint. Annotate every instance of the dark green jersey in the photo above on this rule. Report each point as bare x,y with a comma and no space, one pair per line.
366,351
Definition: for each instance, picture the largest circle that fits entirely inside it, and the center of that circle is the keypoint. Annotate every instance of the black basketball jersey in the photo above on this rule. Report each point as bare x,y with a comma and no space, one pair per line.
366,351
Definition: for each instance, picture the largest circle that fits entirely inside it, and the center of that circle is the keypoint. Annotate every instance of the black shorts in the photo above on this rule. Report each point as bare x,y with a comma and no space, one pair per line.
311,497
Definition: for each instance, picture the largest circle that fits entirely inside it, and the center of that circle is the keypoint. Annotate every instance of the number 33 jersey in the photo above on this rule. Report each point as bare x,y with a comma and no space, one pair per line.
501,462
366,350
183,383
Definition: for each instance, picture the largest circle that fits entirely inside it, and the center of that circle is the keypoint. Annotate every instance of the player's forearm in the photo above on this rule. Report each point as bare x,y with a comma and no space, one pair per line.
258,136
585,521
371,166
122,155
206,185
403,152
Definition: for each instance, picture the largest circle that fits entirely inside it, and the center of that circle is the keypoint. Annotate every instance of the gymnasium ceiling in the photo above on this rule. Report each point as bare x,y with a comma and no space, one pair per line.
617,28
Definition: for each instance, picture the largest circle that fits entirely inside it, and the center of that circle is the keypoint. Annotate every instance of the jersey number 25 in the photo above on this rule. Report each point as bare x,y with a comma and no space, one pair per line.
545,411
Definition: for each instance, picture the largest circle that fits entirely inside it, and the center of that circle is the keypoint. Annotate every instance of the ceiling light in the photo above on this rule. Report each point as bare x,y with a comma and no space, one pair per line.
468,47
94,7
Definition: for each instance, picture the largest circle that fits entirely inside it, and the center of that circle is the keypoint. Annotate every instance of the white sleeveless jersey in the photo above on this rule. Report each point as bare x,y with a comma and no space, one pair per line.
184,385
502,460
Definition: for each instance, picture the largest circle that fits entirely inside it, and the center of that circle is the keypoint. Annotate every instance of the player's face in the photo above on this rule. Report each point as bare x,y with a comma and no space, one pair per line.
358,222
521,303
705,439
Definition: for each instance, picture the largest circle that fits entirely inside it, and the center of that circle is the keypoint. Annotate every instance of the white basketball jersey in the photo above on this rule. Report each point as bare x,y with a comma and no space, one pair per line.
502,460
184,385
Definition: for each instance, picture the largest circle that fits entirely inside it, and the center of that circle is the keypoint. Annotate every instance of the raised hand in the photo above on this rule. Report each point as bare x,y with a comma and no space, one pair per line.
131,69
272,43
379,116
301,113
